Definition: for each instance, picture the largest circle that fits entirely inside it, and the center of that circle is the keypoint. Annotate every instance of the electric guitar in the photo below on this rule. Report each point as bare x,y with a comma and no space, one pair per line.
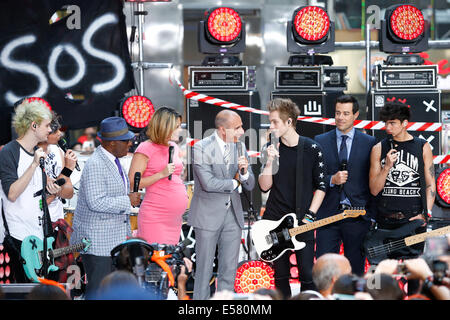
381,244
32,252
272,238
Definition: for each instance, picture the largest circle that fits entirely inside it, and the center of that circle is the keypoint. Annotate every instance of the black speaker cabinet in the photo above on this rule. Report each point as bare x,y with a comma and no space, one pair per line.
6,125
312,104
425,106
200,120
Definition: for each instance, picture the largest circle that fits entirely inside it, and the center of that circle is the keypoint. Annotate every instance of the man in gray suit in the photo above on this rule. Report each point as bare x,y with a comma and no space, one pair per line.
102,213
216,209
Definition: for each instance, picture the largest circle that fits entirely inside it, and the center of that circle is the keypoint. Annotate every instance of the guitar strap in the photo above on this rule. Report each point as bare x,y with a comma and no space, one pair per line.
423,188
5,224
299,177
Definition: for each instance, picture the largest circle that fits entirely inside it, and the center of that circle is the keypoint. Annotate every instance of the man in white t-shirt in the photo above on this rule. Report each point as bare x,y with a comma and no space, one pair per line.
21,178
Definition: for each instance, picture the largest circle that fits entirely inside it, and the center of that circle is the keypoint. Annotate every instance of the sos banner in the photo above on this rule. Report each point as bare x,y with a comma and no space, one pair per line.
72,53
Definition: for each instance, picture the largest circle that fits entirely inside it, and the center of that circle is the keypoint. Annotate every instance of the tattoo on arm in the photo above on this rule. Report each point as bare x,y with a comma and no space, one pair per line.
432,192
432,171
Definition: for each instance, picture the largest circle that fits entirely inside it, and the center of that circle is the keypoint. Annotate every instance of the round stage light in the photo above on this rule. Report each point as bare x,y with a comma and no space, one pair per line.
311,23
137,111
224,25
252,275
407,22
443,186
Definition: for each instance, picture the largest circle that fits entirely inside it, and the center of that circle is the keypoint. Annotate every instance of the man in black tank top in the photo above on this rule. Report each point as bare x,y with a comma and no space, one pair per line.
401,174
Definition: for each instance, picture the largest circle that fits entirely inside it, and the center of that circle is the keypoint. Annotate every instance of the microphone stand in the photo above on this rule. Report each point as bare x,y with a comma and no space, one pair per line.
46,225
251,214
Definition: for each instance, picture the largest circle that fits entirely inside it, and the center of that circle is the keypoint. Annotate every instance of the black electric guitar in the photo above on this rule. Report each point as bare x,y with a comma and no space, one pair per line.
381,244
272,238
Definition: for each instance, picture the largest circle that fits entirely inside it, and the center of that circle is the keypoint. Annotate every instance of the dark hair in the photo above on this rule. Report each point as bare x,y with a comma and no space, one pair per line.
348,99
47,292
388,288
395,111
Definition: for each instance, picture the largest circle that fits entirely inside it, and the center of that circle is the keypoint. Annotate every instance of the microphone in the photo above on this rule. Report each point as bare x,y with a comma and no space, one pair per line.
63,145
137,180
342,167
171,149
391,141
240,153
273,140
41,162
59,182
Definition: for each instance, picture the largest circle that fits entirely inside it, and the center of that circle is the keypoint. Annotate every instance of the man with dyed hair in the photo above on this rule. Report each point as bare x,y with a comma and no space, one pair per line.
21,178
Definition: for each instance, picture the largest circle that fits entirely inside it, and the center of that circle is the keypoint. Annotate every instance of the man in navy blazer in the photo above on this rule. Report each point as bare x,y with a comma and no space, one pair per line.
347,159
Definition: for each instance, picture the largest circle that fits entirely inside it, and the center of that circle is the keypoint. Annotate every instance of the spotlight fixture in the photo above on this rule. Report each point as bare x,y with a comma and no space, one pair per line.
137,111
310,31
443,188
252,275
221,31
403,30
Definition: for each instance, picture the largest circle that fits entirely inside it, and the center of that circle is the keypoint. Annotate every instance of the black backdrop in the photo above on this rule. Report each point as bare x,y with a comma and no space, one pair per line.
94,58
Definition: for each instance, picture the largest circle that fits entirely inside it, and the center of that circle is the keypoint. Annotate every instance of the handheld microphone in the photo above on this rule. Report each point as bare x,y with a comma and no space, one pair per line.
240,153
41,162
63,145
137,180
59,182
343,167
273,140
391,141
171,149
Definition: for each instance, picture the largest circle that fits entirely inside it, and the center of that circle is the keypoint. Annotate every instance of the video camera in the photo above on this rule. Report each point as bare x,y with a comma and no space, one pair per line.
156,266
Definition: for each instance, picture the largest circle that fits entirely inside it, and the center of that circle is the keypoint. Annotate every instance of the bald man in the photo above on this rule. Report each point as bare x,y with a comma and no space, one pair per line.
216,210
327,269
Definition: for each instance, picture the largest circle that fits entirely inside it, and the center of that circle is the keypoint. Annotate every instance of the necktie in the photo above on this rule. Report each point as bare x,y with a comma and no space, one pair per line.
343,156
227,154
120,169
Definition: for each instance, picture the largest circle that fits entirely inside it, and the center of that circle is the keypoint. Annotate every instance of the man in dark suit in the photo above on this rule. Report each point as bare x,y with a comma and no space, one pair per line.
347,159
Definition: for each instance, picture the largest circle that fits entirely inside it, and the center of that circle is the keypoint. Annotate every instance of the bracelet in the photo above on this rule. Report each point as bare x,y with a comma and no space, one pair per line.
310,216
429,213
66,171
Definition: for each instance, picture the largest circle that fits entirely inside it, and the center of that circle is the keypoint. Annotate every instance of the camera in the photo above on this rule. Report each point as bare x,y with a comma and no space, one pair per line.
436,247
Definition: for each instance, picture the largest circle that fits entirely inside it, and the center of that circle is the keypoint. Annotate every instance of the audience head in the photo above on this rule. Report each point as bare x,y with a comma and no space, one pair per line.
327,269
385,287
48,291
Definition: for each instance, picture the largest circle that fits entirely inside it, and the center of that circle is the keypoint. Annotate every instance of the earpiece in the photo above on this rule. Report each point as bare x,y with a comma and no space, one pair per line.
34,125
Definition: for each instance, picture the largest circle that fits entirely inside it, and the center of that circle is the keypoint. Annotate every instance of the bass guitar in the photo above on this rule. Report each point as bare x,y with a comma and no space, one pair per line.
381,244
272,238
32,253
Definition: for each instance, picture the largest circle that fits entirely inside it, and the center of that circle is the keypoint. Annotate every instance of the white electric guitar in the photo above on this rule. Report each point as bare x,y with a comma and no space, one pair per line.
272,238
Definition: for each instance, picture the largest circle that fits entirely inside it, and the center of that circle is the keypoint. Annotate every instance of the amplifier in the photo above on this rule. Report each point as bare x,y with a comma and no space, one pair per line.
406,77
310,78
234,78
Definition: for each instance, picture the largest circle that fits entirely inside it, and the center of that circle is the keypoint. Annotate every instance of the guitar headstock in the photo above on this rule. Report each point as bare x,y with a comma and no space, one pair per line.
355,212
86,244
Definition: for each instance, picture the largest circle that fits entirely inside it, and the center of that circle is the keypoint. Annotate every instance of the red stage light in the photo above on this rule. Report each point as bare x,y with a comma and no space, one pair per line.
311,23
137,111
407,22
224,24
443,185
252,275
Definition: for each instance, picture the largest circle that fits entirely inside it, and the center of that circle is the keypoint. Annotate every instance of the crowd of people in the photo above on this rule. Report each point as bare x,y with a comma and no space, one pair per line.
392,180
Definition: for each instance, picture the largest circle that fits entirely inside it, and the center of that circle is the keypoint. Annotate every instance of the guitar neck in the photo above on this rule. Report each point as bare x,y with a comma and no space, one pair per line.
316,224
409,241
66,250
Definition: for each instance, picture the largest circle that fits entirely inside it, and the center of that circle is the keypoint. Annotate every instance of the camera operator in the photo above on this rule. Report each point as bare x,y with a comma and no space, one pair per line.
432,286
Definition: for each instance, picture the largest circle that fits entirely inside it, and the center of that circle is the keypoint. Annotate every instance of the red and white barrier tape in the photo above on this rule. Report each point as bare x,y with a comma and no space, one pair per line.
360,124
255,154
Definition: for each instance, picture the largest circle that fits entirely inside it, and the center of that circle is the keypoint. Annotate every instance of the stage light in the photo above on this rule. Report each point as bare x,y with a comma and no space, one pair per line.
221,31
310,31
252,275
403,30
224,25
443,188
137,111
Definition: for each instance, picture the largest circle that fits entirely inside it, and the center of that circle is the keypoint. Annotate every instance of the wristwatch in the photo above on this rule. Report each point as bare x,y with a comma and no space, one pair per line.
428,282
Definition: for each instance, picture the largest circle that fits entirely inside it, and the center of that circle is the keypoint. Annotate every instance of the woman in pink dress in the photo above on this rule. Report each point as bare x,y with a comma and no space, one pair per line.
165,200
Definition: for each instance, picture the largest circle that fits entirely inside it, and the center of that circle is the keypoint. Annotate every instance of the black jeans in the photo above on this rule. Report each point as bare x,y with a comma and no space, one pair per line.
96,267
305,262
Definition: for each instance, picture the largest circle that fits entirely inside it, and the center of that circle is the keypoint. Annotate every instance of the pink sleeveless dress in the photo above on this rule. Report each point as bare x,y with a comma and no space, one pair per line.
165,201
